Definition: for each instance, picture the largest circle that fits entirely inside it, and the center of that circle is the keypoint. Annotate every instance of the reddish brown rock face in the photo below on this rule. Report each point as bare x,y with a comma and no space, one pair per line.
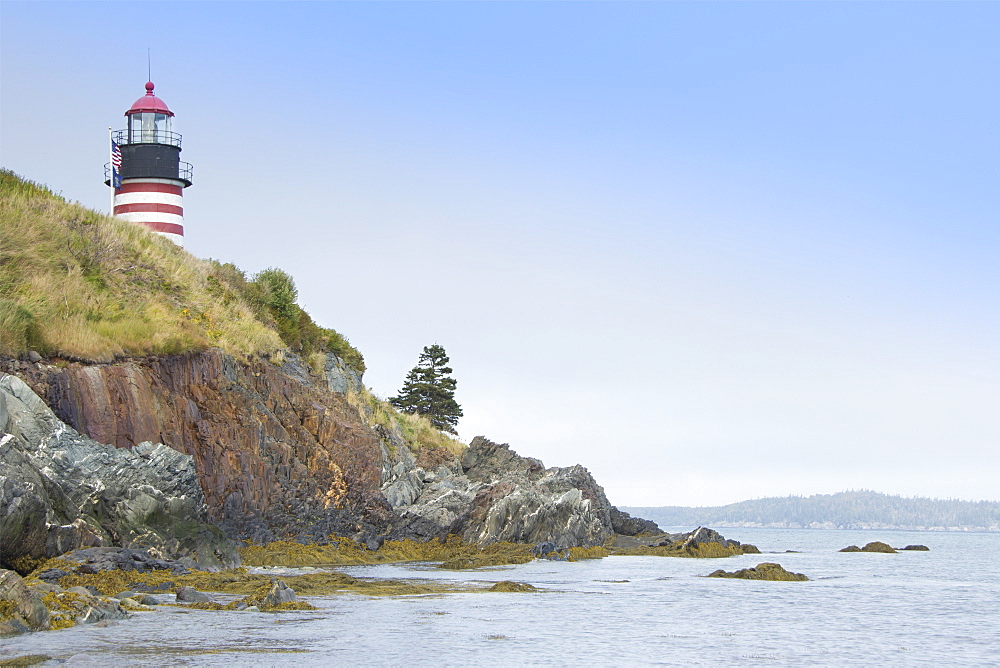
277,453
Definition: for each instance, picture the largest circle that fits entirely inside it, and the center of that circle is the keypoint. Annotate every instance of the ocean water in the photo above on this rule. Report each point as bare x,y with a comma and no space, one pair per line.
912,608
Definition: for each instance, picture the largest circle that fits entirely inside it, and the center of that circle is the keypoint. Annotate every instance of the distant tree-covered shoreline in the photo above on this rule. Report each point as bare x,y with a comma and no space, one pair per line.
862,509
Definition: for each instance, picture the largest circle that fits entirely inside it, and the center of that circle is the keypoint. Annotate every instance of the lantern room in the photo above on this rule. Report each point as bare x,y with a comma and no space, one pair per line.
151,174
149,121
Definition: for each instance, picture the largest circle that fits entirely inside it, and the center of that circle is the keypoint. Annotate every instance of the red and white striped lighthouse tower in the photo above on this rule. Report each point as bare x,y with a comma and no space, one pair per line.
153,177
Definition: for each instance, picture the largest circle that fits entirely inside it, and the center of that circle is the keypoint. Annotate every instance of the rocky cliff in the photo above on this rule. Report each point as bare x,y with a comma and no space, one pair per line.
491,494
60,490
276,451
278,454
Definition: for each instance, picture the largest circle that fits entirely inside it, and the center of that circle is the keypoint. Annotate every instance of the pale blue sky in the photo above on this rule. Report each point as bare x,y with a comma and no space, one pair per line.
709,250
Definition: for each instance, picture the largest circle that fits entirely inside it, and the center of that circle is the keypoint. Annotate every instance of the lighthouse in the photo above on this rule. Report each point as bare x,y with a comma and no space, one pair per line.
152,175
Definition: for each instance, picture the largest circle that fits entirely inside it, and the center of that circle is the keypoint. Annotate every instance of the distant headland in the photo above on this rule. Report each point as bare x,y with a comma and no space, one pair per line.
863,509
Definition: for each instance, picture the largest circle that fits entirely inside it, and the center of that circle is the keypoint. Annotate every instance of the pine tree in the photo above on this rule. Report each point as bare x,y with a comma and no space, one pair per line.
429,391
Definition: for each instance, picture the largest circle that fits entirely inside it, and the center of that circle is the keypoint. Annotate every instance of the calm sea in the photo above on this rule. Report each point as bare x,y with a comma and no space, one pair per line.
911,608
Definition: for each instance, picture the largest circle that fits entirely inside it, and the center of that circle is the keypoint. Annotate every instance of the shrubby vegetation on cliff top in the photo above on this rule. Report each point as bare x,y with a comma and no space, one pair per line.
77,284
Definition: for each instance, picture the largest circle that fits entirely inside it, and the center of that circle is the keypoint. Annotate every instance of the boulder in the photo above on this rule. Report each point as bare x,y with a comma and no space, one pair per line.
917,548
21,609
279,593
878,546
764,571
69,608
515,587
192,595
101,559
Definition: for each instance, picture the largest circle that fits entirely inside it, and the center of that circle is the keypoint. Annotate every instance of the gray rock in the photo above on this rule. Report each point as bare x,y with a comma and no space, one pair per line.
60,491
278,594
23,608
101,609
626,525
102,559
46,588
340,377
494,494
192,595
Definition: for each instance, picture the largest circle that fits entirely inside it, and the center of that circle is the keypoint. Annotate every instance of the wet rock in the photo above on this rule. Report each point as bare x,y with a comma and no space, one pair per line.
133,605
764,571
279,593
515,587
101,559
917,548
73,607
875,546
158,588
702,543
192,595
21,609
138,597
42,588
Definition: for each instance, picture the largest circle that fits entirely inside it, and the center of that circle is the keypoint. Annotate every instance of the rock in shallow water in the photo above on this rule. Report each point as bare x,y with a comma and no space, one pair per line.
764,571
192,595
875,546
509,586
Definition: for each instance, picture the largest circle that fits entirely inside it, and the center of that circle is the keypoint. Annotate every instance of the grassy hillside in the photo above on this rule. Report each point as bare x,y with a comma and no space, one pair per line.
77,284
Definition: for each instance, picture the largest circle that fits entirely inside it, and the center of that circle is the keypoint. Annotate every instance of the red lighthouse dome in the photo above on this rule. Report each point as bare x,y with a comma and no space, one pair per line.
152,175
150,103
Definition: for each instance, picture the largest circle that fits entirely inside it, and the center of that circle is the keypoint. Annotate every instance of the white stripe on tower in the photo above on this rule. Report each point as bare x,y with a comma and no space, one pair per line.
155,203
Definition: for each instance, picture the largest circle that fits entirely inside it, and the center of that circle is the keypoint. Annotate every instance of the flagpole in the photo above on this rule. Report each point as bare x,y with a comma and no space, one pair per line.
111,165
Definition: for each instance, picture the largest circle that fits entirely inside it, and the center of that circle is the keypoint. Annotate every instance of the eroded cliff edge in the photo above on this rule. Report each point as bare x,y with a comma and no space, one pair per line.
279,452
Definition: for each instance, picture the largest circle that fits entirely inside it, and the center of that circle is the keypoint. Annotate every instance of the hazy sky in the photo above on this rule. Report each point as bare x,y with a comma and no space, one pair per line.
710,250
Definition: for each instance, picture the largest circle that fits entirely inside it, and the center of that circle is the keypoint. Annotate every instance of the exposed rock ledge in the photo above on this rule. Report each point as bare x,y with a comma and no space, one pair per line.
60,491
493,494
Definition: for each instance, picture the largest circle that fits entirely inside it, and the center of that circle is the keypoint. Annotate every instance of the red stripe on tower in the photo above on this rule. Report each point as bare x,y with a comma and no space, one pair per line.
151,188
146,207
153,175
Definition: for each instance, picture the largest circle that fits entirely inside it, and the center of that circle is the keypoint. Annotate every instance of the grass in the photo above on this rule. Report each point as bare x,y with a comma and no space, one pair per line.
80,285
420,436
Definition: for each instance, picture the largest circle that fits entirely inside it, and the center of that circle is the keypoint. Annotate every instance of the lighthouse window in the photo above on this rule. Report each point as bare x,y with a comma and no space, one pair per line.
149,128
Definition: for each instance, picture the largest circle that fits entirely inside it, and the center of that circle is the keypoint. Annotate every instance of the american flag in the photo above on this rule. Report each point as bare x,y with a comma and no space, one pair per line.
116,165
